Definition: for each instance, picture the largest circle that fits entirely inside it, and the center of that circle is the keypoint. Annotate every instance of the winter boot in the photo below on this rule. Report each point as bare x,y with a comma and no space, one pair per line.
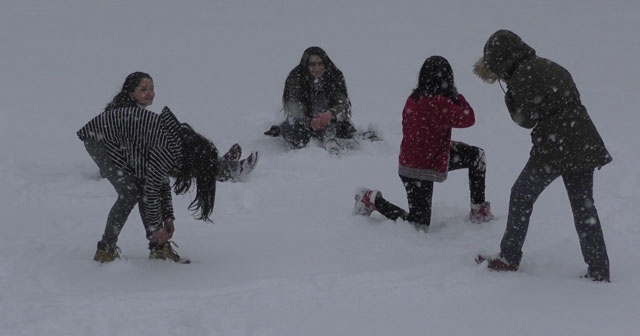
365,201
274,131
333,147
106,252
496,263
481,213
234,153
602,276
165,251
246,166
369,135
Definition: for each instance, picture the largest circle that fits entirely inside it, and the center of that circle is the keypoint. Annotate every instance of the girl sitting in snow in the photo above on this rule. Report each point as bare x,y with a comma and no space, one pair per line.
316,105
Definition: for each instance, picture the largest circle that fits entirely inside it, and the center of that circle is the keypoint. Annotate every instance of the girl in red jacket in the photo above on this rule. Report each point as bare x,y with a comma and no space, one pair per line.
427,152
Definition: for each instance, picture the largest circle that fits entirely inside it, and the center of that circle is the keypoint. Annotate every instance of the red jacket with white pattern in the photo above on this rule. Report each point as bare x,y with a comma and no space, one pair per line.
426,131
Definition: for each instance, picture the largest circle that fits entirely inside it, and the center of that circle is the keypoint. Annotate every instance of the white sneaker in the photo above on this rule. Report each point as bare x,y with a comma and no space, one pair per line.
246,167
365,201
333,147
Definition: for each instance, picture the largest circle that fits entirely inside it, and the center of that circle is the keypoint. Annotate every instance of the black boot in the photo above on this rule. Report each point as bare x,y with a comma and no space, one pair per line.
274,131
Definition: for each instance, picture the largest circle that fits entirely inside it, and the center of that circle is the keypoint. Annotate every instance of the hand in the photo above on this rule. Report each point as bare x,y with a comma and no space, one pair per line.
321,121
161,236
169,227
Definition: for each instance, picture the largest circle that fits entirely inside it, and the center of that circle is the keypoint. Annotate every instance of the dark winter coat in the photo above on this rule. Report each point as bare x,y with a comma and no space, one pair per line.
300,93
542,95
426,135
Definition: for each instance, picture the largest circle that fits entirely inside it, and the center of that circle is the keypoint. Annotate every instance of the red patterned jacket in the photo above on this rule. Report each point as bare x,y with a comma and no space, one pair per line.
426,130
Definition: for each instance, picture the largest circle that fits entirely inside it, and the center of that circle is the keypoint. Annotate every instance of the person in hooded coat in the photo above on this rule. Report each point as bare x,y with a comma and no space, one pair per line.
427,153
316,104
542,96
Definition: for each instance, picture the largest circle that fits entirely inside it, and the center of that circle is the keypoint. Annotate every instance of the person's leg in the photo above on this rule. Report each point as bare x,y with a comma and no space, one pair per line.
345,129
236,170
129,193
389,209
345,135
127,186
585,216
330,141
419,194
296,133
226,168
524,193
418,198
464,156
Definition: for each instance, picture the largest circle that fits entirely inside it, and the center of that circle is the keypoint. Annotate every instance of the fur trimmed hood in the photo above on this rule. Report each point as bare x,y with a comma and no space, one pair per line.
480,69
502,53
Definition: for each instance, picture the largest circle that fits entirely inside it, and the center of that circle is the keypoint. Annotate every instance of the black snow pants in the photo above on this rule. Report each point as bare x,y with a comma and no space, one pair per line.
420,192
579,186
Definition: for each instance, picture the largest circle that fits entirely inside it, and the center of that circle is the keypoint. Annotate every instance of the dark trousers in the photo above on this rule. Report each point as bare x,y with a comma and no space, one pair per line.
420,192
298,133
579,186
128,187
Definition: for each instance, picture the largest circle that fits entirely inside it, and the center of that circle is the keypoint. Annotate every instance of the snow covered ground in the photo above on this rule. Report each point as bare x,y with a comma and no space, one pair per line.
285,256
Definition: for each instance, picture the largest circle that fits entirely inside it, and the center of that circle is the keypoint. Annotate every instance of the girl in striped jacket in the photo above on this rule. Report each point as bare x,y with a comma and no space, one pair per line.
427,153
138,151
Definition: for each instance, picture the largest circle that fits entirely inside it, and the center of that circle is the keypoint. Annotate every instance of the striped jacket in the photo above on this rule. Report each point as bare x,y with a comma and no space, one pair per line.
143,144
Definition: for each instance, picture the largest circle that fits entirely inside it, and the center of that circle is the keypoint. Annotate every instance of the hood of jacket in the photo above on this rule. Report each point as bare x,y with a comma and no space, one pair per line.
503,51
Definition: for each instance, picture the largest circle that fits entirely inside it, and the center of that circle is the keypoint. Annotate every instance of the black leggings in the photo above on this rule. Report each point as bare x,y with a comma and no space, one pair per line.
524,193
128,187
420,192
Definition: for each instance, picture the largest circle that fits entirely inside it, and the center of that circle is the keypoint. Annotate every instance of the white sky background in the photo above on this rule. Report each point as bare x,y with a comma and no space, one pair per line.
285,256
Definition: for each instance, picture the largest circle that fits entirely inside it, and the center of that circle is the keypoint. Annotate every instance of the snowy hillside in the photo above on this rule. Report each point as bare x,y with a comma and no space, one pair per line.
285,256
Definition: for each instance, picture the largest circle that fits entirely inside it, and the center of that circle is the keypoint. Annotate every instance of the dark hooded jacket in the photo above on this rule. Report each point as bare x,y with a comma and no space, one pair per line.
300,93
542,95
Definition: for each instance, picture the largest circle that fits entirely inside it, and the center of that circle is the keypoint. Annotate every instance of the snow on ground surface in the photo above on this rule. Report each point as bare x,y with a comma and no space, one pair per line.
285,256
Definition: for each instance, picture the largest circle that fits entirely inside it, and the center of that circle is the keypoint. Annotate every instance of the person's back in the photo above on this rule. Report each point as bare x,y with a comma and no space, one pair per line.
541,95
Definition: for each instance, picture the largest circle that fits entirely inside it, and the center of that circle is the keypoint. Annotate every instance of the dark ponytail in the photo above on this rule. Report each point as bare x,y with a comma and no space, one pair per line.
199,163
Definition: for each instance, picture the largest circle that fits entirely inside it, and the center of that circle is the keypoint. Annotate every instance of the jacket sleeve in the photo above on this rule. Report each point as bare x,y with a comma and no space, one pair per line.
458,115
167,201
342,109
523,100
152,204
340,103
293,105
156,197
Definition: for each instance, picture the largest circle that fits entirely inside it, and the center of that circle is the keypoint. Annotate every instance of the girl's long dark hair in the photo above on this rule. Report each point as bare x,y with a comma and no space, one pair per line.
436,78
298,83
122,98
199,163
